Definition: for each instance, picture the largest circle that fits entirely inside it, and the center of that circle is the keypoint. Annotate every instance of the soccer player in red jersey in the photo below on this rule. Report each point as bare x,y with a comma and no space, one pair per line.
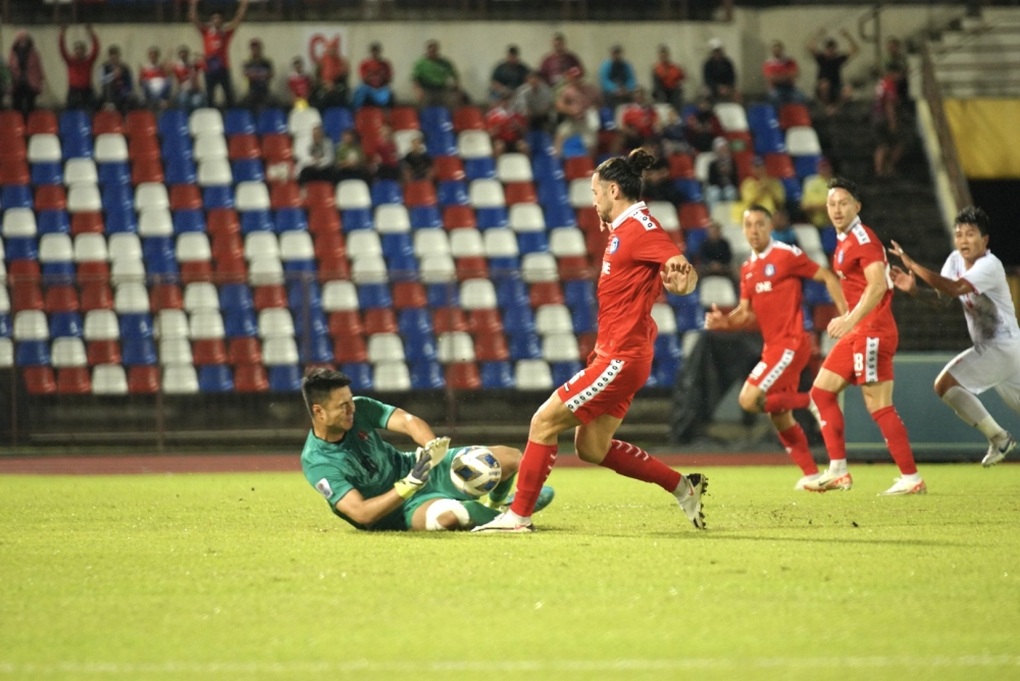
640,259
216,46
770,294
863,354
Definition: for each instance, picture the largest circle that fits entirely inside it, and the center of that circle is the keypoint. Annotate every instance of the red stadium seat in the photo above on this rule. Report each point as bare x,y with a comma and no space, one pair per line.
323,220
222,221
793,114
226,246
333,268
209,351
779,165
276,148
106,121
446,319
320,195
546,293
42,122
368,120
74,381
284,195
96,295
408,294
420,193
144,147
61,298
472,267
350,349
485,321
520,192
491,347
26,295
681,166
463,376
693,215
98,270
87,223
578,167
456,217
143,380
13,148
103,352
50,197
196,270
186,197
468,118
228,270
379,320
250,378
243,146
245,351
448,168
344,323
140,123
12,123
147,170
404,118
269,296
574,267
23,272
742,160
329,246
40,381
14,171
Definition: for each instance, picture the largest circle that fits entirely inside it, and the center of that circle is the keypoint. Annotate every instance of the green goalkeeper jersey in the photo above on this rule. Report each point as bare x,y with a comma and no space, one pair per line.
362,460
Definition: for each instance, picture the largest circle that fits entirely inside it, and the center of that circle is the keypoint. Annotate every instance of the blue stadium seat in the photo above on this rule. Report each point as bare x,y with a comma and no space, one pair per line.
413,322
304,293
188,221
496,375
425,217
173,123
440,142
157,247
335,120
215,378
583,318
504,267
386,191
667,345
519,319
578,292
291,220
523,345
238,122
420,348
426,375
356,218
60,271
564,371
396,244
443,295
236,297
541,144
573,147
65,324
248,170
239,322
21,248
285,378
452,193
360,374
291,267
665,370
47,173
815,293
309,322
435,118
315,349
52,222
829,239
511,292
479,168
32,353
121,219
135,325
694,238
545,168
559,215
689,315
16,196
492,217
77,147
114,173
690,188
177,149
179,171
256,221
219,197
5,325
271,121
794,190
138,352
805,165
532,242
809,321
117,196
402,267
161,266
74,122
374,295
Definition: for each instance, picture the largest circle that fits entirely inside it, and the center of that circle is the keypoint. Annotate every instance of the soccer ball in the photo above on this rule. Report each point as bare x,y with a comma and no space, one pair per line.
475,470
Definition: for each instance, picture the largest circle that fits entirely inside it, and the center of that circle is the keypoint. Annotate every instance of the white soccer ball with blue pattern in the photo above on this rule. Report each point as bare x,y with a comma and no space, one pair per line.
475,470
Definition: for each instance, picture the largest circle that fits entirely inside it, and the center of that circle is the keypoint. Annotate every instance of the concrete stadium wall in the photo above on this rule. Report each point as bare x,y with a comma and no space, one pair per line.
476,46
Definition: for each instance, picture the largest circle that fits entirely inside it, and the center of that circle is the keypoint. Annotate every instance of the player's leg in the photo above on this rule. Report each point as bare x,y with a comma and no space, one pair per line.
509,461
878,402
836,374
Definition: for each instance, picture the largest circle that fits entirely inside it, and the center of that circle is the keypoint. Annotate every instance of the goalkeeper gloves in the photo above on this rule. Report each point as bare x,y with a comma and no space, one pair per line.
417,478
436,449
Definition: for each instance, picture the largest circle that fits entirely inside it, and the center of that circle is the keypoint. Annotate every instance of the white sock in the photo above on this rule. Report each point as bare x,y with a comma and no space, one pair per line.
912,478
522,520
837,466
969,408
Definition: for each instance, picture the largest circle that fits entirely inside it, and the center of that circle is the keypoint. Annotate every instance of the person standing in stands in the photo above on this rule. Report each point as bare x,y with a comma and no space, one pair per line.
26,73
557,63
829,87
154,81
216,38
118,86
80,62
640,262
376,76
189,90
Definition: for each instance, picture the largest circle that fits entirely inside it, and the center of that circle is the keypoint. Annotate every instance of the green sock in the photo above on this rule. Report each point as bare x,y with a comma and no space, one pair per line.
479,512
500,491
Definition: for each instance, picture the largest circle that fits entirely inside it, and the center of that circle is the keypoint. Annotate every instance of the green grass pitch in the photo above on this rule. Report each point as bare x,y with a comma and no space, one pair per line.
248,576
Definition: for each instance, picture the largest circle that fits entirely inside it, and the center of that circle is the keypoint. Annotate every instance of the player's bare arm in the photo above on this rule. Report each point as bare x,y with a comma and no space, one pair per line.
954,288
740,317
408,424
831,281
678,276
242,9
876,287
368,511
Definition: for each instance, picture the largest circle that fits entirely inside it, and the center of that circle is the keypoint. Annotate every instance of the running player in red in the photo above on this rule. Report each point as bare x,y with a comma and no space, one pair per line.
863,355
216,47
640,259
770,294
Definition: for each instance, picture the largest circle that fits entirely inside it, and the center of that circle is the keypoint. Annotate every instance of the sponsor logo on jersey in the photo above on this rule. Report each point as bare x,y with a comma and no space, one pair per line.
839,257
763,287
770,271
605,267
614,245
324,488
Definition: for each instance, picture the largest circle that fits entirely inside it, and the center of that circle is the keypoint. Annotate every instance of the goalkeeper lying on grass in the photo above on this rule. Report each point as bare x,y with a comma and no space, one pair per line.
372,485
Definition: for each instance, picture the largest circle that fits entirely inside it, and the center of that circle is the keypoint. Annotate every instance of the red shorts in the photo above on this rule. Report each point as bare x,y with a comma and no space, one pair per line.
865,357
781,365
606,386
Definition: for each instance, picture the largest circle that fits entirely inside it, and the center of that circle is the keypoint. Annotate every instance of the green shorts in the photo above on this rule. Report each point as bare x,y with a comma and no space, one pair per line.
439,486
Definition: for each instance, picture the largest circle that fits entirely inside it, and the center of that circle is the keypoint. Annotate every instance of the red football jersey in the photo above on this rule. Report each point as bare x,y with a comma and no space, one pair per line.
771,283
859,247
630,284
216,46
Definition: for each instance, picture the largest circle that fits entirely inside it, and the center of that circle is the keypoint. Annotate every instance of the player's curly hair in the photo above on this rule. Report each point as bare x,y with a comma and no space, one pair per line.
972,215
319,382
626,172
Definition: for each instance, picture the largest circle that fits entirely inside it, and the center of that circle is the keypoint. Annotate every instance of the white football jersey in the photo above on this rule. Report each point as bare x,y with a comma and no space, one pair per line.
989,309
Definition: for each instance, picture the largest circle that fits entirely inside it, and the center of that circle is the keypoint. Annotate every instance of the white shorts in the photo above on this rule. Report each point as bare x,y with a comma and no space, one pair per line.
995,365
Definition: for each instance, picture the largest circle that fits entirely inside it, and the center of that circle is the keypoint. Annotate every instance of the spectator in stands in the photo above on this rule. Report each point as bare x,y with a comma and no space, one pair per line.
26,73
640,123
555,65
668,80
417,161
716,253
80,62
782,230
657,185
702,125
830,90
350,157
896,58
723,183
154,81
332,71
507,127
299,82
385,161
315,160
781,71
887,113
574,98
718,74
259,71
435,79
815,194
118,87
189,90
761,188
216,38
376,76
617,79
508,75
674,134
536,101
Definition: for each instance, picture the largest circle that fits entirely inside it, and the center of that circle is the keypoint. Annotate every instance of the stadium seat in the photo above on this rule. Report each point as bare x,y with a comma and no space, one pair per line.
455,346
39,380
109,379
533,374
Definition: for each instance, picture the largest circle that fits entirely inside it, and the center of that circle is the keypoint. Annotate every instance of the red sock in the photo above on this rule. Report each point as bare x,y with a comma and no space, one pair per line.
536,465
795,442
895,434
780,402
634,462
832,422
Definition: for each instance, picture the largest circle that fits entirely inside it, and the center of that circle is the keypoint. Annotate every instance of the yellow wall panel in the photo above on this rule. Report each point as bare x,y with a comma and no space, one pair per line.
987,136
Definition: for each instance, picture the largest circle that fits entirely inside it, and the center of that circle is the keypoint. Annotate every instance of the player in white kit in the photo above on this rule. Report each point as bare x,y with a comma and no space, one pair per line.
975,276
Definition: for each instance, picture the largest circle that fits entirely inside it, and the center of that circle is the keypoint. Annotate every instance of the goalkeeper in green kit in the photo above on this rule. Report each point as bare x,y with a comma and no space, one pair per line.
374,486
